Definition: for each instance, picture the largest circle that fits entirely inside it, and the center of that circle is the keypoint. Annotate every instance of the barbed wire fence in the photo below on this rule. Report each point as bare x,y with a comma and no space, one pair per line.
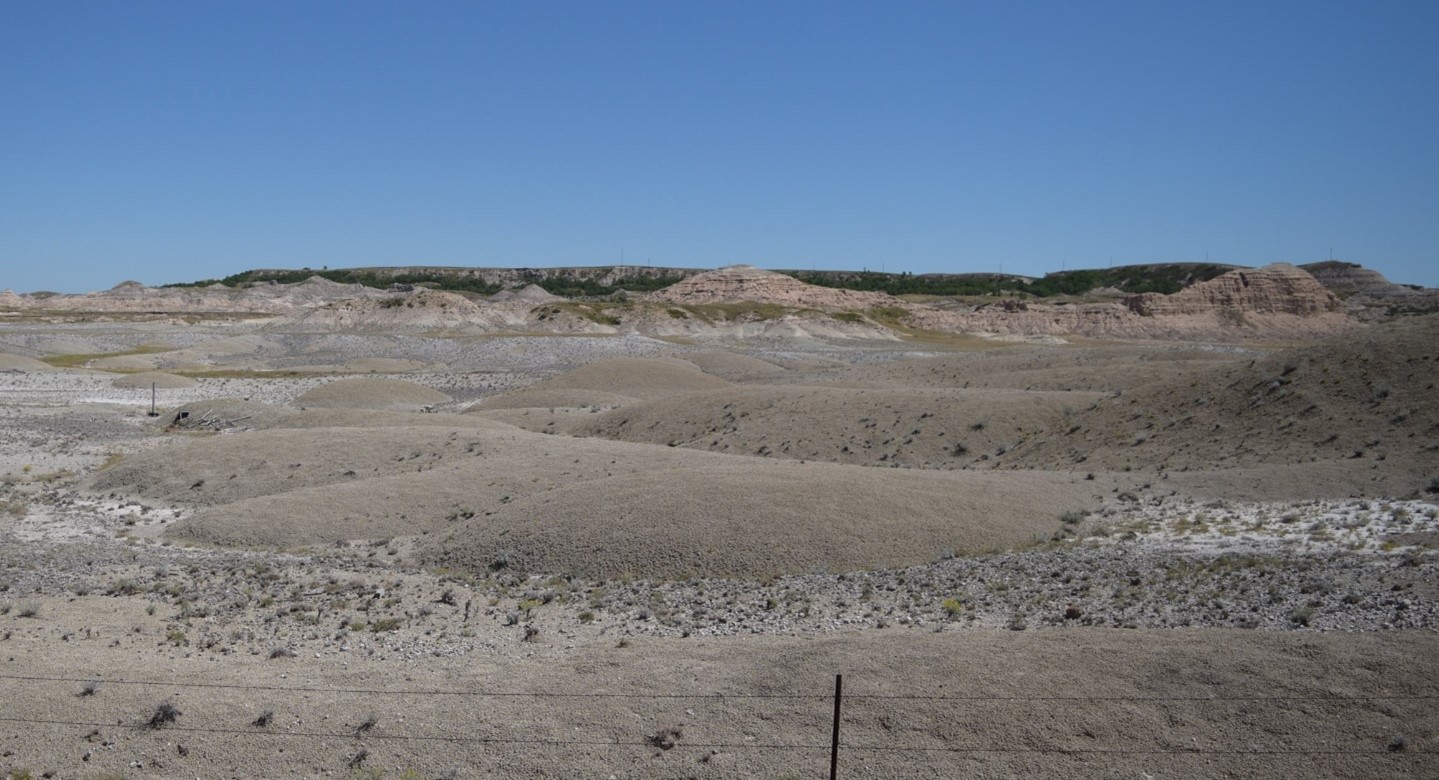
821,757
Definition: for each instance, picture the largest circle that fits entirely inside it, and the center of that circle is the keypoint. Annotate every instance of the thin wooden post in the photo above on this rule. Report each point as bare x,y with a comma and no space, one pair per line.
834,738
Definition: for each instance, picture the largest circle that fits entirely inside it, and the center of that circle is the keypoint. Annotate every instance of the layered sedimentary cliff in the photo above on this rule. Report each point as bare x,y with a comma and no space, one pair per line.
1274,289
136,297
1277,301
1370,297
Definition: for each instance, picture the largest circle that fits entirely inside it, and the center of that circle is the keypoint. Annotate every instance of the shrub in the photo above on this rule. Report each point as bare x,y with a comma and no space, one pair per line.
953,607
165,713
666,737
1301,616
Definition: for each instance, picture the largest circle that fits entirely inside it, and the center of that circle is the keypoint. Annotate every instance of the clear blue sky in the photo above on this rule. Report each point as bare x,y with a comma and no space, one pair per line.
180,141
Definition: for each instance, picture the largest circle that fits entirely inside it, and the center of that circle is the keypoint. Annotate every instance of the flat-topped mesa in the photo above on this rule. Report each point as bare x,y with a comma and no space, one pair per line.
1274,289
735,283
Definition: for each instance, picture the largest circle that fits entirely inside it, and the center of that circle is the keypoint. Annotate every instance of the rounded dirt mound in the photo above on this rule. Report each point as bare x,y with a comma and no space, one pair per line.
69,346
158,379
371,394
549,504
725,516
9,362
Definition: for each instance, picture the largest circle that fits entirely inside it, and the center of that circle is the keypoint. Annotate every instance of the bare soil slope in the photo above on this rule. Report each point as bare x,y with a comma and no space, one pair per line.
1107,368
608,381
1365,397
862,426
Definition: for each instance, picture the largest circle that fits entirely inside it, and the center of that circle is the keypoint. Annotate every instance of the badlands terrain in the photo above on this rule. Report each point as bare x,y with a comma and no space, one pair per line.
415,532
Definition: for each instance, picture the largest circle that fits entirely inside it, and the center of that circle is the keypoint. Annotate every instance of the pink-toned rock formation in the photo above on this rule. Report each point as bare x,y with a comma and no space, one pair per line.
1274,289
1277,301
746,283
258,299
421,310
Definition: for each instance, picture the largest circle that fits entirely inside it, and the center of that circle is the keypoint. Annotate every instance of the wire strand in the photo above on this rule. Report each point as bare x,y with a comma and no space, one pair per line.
690,696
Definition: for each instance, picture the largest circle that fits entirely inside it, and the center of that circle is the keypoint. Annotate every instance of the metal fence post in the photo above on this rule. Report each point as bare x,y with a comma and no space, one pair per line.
834,738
